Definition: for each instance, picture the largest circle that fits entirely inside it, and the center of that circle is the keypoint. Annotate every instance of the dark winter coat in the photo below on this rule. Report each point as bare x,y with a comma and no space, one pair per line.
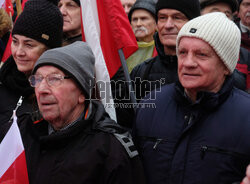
147,76
13,84
200,143
93,151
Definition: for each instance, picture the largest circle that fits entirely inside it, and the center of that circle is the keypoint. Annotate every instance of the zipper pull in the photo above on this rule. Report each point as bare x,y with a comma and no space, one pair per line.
156,143
203,150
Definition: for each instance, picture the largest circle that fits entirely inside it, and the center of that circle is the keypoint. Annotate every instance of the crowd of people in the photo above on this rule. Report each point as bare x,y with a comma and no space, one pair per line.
190,75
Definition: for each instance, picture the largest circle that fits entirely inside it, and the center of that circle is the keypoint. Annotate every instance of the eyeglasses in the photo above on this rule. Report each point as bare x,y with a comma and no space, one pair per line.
51,79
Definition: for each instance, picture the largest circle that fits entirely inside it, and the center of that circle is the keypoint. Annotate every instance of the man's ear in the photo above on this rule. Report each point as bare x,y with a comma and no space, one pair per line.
226,71
81,99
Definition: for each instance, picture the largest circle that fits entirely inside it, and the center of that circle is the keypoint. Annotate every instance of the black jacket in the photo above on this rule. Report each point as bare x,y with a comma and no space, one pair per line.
13,84
154,72
147,76
92,151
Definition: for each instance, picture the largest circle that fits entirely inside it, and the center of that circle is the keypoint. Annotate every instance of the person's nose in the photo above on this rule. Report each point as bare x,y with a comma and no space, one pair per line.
20,51
63,10
43,87
139,23
189,61
169,23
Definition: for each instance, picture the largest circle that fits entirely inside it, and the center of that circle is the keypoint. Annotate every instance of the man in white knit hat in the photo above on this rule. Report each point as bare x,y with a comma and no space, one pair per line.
198,130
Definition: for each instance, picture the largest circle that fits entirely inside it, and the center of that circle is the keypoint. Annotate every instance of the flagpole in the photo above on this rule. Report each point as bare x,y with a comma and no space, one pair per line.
18,7
127,77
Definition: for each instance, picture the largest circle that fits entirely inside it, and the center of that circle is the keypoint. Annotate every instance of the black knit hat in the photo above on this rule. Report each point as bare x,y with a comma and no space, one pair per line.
191,8
77,2
148,5
41,20
232,3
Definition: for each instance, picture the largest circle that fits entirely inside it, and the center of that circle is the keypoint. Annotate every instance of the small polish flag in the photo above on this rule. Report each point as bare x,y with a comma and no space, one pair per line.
13,168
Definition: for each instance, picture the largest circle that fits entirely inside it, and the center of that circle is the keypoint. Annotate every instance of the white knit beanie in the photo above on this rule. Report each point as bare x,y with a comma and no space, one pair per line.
219,32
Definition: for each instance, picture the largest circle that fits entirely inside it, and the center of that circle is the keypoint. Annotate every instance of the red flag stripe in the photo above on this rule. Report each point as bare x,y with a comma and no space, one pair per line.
17,172
115,33
12,157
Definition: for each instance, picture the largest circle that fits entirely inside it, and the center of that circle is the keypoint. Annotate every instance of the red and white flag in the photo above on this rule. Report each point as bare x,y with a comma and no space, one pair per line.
7,5
13,168
106,29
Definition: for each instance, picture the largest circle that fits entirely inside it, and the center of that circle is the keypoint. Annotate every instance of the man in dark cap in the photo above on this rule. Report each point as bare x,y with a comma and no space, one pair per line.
142,20
225,6
75,141
229,7
71,11
244,22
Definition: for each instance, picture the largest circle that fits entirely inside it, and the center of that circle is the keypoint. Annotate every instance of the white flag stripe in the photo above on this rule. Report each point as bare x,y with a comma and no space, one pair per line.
11,147
92,35
2,3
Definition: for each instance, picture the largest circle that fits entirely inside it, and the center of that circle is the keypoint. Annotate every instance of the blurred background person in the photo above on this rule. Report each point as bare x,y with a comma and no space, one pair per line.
5,28
143,22
229,7
244,22
127,4
71,11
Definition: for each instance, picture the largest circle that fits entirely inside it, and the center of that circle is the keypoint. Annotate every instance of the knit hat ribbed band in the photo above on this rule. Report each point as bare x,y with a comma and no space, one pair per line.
219,32
77,59
148,5
191,8
41,20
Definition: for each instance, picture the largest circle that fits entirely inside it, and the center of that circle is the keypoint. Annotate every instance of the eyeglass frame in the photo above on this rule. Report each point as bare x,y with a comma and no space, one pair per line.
60,77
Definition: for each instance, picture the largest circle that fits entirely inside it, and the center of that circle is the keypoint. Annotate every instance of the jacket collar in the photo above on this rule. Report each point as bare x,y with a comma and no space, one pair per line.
206,100
98,120
160,50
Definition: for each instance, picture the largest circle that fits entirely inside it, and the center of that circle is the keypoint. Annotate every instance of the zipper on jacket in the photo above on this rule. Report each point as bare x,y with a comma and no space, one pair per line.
157,143
204,149
155,140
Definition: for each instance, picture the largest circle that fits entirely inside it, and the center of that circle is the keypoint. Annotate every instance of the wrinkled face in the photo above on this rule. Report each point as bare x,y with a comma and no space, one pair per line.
25,52
59,105
169,23
199,67
219,7
244,12
143,25
127,4
71,17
